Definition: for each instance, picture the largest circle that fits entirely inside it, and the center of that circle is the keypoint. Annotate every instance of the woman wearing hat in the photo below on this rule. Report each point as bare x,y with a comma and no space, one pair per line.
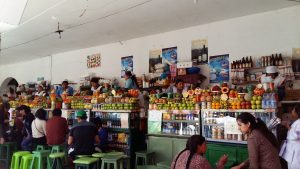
272,76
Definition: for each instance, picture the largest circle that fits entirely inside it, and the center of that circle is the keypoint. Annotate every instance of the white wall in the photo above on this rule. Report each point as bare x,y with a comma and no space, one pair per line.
255,35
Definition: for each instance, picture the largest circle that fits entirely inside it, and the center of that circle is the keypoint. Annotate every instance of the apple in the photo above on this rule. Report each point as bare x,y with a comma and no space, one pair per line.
253,106
254,98
258,102
248,106
258,106
259,98
252,102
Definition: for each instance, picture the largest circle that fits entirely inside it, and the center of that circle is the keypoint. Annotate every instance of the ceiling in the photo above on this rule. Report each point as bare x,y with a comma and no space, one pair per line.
89,23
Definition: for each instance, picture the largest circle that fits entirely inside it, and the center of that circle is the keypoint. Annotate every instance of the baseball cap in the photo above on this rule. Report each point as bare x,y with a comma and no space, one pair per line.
271,69
81,113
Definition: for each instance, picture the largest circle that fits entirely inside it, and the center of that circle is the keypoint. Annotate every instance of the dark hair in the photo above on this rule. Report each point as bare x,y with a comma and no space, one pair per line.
41,114
178,81
25,108
65,81
97,122
128,73
95,80
83,117
191,145
132,77
56,112
258,124
11,90
4,105
297,109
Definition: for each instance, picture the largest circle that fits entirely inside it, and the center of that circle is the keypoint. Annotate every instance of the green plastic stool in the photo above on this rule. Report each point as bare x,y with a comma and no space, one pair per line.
60,149
115,153
86,163
145,156
57,149
9,147
40,156
40,147
116,160
16,159
147,167
26,161
57,160
164,165
99,156
127,160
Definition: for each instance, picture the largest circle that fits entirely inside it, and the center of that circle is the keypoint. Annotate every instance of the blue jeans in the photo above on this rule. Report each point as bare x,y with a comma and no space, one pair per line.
27,143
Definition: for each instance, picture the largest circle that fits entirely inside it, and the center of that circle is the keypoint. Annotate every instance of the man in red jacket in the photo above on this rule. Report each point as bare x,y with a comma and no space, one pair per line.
56,128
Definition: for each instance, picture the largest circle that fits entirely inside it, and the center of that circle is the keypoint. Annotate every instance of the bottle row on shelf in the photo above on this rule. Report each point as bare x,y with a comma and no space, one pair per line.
180,129
217,132
116,106
173,116
120,138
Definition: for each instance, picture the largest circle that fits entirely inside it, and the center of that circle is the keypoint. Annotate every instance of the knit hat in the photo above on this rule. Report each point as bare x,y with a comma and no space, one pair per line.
271,69
81,113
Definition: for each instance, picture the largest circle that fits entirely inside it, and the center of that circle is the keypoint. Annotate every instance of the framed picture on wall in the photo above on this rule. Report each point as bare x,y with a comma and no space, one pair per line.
219,68
126,65
94,61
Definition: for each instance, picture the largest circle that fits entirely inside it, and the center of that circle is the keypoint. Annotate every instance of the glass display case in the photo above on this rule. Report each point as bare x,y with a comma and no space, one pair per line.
220,125
174,122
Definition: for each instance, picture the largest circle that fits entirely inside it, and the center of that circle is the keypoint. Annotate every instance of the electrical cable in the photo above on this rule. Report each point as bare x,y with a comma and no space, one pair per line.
74,26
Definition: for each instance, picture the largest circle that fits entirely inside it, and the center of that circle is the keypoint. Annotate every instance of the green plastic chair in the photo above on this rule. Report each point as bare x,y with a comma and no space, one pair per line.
86,163
16,159
147,157
57,160
40,157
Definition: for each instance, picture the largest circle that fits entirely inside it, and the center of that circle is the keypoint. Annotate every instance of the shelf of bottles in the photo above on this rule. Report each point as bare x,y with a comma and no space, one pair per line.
219,125
70,115
119,126
179,122
244,72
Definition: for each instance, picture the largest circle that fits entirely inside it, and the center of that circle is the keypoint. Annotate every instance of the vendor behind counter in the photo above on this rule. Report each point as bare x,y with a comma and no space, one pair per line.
272,76
177,88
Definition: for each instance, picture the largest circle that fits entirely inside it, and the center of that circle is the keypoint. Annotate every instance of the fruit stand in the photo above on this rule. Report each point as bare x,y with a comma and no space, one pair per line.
211,112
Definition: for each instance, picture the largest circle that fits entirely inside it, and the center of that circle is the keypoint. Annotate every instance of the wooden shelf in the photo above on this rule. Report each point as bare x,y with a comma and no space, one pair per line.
181,121
242,110
115,111
226,141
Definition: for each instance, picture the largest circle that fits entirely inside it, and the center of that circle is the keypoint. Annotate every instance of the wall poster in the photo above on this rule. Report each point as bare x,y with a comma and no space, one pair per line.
94,61
126,65
199,51
169,55
219,68
155,61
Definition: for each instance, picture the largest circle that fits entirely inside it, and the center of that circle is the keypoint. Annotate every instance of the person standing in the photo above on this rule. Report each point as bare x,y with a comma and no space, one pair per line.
95,87
192,157
82,136
263,147
130,81
178,88
39,128
65,88
4,121
56,128
27,130
291,148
